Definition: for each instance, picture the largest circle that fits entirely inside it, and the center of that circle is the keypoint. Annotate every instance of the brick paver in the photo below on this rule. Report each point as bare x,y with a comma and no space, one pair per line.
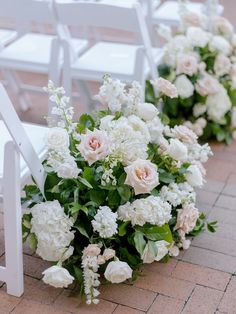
200,281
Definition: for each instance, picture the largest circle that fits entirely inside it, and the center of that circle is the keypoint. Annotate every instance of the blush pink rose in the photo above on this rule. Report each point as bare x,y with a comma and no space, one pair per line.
222,65
94,145
184,134
92,250
207,85
142,175
165,87
222,26
187,64
187,218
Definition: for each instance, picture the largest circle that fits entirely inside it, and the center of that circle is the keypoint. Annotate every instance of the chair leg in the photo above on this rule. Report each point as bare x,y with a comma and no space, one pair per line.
12,221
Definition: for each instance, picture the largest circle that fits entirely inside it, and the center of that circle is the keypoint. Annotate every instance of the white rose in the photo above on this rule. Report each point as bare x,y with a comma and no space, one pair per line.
187,64
57,139
68,170
177,150
162,250
194,176
142,175
222,26
57,277
197,37
94,145
117,272
187,218
186,244
184,86
207,85
222,65
147,111
109,254
221,45
199,109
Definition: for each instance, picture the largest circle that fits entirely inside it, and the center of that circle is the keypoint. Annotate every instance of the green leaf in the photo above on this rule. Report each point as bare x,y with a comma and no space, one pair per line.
85,182
156,233
166,177
152,248
85,122
123,228
124,192
113,198
33,242
27,224
139,242
82,230
78,273
97,196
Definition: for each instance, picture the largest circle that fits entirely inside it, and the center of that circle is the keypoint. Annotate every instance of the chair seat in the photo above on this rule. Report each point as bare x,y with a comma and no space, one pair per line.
6,36
31,52
169,11
112,58
36,135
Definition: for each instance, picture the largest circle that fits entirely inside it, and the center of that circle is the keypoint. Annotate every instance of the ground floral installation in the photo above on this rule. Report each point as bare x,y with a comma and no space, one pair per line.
119,191
201,62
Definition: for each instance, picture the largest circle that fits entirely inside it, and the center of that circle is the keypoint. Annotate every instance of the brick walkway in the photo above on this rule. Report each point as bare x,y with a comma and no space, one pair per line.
200,281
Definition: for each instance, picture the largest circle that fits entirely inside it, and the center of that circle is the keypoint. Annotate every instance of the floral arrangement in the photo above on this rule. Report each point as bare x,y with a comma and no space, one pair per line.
201,62
119,191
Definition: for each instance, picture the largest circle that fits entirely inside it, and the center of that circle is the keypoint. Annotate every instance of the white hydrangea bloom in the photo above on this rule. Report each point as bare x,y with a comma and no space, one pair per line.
156,128
177,194
105,222
151,210
197,152
52,228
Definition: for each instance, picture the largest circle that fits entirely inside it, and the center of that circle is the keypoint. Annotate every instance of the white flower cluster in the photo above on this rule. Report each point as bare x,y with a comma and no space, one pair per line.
105,222
52,228
91,260
151,210
177,194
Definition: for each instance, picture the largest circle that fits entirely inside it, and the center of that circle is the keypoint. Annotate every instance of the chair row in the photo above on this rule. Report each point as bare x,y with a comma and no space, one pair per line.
77,58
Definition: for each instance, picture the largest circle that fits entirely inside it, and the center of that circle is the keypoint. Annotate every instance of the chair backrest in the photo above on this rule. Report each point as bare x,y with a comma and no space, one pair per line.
26,12
122,17
22,142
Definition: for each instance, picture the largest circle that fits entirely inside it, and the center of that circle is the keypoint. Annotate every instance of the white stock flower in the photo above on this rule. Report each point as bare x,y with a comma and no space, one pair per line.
194,176
218,105
165,87
142,175
57,277
187,218
220,44
177,150
53,231
222,65
151,209
197,37
177,194
187,64
94,145
105,222
146,111
184,86
57,139
117,272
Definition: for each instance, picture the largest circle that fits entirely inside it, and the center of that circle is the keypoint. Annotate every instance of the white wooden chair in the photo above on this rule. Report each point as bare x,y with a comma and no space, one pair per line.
34,51
7,36
124,61
168,11
21,151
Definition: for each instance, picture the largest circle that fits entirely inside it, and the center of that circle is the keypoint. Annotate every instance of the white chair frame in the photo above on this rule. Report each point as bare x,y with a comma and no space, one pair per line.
82,13
20,144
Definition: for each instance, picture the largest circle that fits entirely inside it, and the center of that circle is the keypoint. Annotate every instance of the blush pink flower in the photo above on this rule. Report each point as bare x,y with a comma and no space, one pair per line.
207,85
94,145
92,250
190,18
184,134
142,175
187,64
165,87
187,218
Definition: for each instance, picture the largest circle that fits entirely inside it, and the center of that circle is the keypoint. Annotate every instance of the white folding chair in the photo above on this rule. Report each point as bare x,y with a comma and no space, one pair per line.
168,12
6,36
124,61
33,52
21,151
